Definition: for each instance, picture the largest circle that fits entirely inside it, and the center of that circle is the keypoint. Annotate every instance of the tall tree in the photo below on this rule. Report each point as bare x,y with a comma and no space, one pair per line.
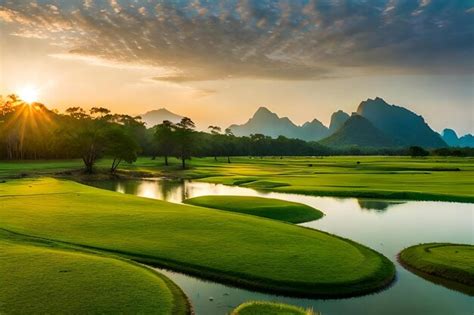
215,140
184,139
120,146
164,139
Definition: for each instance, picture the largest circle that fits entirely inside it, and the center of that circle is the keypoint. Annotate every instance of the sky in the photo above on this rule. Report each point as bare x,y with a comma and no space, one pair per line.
218,61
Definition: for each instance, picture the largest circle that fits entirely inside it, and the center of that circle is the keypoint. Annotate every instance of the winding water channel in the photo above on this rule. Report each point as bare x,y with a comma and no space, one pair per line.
386,226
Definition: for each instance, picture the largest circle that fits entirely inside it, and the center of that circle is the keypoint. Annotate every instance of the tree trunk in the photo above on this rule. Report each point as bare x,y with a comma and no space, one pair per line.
228,159
166,160
183,162
215,158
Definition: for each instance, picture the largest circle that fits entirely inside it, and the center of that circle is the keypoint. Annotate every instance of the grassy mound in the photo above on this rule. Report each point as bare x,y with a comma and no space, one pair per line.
453,262
281,210
243,250
270,308
42,280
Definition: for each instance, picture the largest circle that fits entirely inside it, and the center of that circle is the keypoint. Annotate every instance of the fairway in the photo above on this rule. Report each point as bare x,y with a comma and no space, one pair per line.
240,249
270,308
45,280
281,210
430,178
454,262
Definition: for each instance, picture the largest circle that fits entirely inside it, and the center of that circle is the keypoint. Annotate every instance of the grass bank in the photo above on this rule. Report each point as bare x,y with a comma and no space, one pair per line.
270,308
276,209
431,178
442,261
43,279
240,249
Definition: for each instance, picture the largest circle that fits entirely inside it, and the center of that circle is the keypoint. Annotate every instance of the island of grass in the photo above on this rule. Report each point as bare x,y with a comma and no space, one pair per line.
270,308
453,263
276,209
242,250
46,280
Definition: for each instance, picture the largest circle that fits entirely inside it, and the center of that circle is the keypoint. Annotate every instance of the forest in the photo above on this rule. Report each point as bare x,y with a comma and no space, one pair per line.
31,131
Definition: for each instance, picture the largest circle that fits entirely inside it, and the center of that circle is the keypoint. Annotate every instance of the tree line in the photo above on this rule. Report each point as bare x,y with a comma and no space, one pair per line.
32,131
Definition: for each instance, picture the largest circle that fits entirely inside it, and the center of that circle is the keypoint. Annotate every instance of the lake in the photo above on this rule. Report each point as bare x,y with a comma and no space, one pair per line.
386,226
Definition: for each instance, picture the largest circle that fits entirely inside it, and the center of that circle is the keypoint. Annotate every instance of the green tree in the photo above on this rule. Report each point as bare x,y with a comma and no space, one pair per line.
215,140
120,146
164,139
184,139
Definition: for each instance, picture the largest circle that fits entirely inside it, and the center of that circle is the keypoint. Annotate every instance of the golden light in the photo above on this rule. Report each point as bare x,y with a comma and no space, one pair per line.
28,94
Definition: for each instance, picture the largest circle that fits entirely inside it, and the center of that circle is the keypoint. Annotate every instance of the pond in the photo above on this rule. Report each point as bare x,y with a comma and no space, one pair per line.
386,226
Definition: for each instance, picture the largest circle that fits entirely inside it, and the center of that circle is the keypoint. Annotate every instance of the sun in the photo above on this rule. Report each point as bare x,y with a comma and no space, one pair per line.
28,94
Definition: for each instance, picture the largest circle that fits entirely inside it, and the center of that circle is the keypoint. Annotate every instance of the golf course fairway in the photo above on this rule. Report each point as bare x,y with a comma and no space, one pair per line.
44,280
239,249
453,262
269,308
281,210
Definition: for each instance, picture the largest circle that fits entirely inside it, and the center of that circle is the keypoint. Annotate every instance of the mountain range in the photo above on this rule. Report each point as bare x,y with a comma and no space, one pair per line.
268,123
374,124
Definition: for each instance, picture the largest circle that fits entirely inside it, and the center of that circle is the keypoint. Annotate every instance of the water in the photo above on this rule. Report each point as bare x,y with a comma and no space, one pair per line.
386,226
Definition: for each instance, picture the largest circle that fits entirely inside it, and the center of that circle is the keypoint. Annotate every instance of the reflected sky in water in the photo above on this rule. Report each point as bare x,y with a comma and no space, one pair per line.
386,226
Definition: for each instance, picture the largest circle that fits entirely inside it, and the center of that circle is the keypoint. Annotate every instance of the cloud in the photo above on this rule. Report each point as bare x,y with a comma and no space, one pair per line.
272,39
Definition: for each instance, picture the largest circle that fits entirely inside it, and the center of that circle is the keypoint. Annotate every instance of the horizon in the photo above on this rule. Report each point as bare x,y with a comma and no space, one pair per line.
218,62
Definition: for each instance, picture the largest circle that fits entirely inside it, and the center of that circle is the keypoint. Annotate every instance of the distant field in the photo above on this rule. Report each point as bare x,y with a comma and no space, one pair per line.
281,210
432,178
213,244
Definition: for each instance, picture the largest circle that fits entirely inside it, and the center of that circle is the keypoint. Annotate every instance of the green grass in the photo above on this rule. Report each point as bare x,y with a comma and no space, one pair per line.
45,280
239,249
431,178
269,308
276,209
453,262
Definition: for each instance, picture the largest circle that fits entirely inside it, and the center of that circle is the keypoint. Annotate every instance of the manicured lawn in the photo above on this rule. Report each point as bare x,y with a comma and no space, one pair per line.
431,178
453,262
281,210
240,249
45,280
269,308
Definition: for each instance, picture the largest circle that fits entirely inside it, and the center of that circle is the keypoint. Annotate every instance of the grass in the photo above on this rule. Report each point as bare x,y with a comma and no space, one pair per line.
276,209
46,280
453,262
269,308
431,178
229,247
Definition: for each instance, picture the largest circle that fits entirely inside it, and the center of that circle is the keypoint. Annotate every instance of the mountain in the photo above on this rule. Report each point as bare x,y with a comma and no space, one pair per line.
451,138
406,127
268,123
337,120
156,117
359,131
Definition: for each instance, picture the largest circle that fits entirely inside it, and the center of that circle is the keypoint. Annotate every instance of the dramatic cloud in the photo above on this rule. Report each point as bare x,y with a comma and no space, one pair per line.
287,39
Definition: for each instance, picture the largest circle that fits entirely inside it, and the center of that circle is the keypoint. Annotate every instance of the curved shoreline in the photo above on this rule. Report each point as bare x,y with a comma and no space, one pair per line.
437,274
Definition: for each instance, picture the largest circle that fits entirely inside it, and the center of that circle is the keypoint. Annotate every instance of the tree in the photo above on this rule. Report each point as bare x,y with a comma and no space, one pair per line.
229,146
120,146
215,140
184,139
416,151
164,139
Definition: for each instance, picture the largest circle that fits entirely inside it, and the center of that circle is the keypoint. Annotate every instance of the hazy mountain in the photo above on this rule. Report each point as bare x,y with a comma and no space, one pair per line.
268,123
451,138
156,117
406,127
337,120
359,131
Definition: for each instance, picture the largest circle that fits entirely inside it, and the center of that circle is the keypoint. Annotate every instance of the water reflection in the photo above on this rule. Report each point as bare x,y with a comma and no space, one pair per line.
377,205
387,227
